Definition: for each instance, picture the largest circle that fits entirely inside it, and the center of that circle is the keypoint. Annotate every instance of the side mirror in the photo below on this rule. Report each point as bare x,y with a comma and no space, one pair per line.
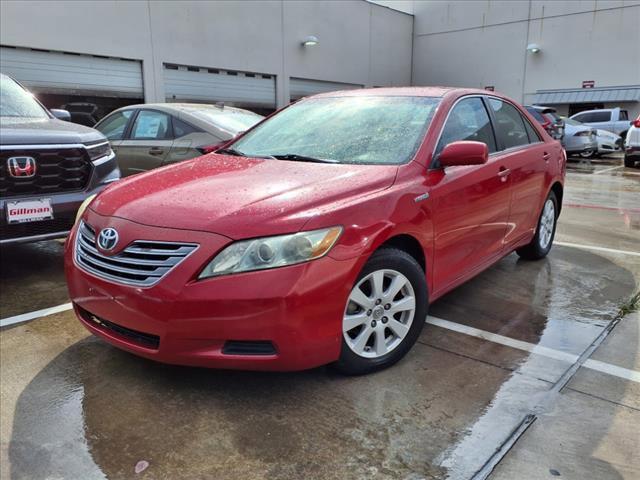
61,114
464,153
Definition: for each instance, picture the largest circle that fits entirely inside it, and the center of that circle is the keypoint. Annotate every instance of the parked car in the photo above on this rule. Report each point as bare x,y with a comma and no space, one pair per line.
632,144
606,142
48,167
319,236
549,119
613,120
151,135
579,139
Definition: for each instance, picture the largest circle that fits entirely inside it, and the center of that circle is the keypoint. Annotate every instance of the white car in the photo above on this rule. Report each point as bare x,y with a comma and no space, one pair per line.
632,144
608,142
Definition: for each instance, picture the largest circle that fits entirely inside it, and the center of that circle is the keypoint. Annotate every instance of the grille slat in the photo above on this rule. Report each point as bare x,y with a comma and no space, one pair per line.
58,170
125,266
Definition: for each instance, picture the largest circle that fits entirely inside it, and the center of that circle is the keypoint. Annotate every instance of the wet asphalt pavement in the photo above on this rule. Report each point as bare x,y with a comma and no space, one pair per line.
507,357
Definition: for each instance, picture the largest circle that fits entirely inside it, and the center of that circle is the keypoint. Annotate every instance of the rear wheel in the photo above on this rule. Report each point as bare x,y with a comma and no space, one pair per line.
628,161
545,231
384,314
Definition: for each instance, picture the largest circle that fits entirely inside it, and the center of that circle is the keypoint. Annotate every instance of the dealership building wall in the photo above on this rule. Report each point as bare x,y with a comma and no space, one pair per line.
484,44
247,53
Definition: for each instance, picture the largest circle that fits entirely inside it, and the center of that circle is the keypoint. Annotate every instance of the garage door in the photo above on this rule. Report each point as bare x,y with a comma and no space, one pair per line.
72,74
303,87
211,85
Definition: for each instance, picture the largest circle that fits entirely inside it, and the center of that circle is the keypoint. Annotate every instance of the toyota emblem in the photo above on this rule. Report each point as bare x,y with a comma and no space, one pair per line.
108,239
21,166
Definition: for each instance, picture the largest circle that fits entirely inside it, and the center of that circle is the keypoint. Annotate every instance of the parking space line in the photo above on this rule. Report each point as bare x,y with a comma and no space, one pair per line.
598,249
591,364
603,207
606,170
24,317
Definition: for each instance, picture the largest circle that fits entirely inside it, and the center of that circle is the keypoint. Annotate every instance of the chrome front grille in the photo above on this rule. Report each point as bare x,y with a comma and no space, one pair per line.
143,263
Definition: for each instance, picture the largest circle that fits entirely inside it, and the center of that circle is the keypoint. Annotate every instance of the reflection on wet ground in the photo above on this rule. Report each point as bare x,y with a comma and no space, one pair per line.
74,407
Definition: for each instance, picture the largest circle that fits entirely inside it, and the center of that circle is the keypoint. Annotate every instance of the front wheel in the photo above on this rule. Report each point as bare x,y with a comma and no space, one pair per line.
384,314
545,231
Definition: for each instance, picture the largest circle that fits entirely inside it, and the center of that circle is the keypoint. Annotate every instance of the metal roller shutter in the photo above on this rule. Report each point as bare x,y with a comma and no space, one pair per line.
211,85
302,87
72,74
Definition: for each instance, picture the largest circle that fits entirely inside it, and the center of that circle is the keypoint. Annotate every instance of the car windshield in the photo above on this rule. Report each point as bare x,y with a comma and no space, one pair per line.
15,101
231,120
358,129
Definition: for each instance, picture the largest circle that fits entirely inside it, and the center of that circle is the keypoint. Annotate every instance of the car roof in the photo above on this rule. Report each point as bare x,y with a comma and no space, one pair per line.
404,92
184,107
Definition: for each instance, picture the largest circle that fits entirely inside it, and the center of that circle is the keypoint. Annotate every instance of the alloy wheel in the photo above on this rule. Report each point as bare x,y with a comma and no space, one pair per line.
547,221
379,313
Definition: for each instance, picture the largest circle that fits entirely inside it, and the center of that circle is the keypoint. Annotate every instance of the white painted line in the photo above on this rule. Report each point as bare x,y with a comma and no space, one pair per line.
24,317
598,249
603,367
614,370
607,170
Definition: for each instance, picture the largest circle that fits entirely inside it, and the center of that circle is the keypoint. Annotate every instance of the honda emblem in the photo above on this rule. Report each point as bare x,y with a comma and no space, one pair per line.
21,167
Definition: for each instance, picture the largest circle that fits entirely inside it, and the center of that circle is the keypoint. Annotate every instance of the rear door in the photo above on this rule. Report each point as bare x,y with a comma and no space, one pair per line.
148,143
470,204
525,156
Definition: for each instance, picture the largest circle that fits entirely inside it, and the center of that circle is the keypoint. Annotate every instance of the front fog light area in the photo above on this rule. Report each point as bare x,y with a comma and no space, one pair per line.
272,252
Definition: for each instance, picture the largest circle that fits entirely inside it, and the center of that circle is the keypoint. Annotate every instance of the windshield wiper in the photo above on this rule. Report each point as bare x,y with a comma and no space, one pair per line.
231,151
303,158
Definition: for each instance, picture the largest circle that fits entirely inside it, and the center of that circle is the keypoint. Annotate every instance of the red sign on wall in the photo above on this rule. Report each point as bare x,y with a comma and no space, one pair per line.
588,83
490,88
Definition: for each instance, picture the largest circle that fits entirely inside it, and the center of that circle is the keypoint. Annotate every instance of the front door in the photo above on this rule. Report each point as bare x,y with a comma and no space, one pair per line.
470,204
148,144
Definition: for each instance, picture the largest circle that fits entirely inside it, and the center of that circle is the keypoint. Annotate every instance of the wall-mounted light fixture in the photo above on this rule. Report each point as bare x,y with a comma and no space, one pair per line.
533,48
310,41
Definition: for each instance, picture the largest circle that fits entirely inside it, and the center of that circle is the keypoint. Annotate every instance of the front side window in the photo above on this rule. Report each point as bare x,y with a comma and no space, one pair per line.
468,120
15,101
582,117
151,125
113,126
358,129
509,126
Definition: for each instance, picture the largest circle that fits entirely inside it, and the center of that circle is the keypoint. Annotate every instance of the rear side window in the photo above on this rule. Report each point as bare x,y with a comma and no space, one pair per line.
151,125
113,126
468,120
624,115
180,128
509,125
532,133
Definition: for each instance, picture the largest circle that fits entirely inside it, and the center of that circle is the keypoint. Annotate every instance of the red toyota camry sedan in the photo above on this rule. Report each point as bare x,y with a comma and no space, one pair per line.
319,236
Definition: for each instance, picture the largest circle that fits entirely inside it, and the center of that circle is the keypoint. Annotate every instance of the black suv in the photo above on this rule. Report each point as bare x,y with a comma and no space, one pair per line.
48,167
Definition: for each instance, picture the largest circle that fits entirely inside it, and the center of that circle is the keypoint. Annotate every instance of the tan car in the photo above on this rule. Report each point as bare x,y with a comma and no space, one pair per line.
155,134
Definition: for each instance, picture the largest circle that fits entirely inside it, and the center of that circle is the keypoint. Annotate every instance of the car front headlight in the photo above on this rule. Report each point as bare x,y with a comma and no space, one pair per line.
99,150
83,206
272,252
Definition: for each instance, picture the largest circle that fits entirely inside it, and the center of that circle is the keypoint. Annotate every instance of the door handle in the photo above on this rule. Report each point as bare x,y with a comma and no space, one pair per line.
156,151
503,173
546,156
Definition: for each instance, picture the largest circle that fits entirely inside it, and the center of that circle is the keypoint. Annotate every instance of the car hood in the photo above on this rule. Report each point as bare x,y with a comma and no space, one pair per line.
239,197
36,131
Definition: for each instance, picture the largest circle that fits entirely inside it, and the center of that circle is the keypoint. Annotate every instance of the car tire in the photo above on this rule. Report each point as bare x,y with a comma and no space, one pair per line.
379,326
629,162
545,231
588,154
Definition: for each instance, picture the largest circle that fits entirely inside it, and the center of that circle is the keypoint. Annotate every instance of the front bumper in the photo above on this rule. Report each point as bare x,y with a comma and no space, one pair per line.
297,309
65,206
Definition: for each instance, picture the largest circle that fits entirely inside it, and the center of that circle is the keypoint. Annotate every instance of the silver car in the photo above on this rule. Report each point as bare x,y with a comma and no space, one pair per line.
579,139
156,134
